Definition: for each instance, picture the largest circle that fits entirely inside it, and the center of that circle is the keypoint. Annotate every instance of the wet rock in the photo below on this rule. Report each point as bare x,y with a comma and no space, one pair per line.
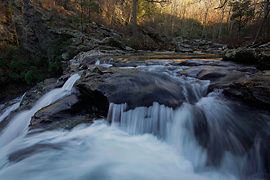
91,57
221,78
132,87
28,151
37,91
68,112
182,49
254,90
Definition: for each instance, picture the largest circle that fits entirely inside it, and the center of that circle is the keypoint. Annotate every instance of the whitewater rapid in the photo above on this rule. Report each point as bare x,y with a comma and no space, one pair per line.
145,143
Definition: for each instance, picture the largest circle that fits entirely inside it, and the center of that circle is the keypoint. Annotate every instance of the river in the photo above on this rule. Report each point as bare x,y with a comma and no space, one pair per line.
208,137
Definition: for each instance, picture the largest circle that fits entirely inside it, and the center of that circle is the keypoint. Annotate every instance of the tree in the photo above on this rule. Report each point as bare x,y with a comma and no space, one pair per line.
266,9
86,6
242,13
134,10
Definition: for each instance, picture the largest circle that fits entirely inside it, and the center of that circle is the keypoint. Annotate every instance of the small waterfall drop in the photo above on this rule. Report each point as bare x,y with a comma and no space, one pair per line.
207,137
207,133
20,122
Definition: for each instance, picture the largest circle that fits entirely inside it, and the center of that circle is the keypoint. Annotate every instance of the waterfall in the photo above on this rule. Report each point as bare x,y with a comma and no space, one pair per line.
20,122
207,137
208,133
141,120
16,104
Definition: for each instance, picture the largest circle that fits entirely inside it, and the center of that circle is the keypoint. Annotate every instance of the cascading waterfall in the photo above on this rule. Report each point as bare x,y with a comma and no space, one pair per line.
16,104
200,140
207,133
20,122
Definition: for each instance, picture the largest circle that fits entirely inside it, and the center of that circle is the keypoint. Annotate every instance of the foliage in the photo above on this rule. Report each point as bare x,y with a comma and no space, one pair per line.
86,7
18,67
243,12
145,9
53,50
132,42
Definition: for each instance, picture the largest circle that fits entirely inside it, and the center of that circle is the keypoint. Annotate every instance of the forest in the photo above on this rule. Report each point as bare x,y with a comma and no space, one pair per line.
228,21
135,89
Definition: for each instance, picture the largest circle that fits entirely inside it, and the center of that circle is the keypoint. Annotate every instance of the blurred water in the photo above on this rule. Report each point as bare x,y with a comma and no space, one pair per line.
203,139
15,104
18,125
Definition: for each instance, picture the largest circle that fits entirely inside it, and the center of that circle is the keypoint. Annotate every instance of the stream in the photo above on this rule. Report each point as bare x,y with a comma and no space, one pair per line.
206,137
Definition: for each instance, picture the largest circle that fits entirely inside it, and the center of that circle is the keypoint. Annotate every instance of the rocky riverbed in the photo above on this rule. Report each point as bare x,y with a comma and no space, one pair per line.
118,79
147,92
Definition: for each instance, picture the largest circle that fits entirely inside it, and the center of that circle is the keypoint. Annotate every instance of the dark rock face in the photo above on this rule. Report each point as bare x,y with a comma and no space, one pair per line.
132,87
69,112
259,56
31,27
254,90
220,74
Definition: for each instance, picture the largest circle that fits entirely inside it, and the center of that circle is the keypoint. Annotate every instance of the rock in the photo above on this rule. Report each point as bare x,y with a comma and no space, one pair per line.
37,91
257,56
179,39
190,45
241,55
254,90
180,48
132,87
68,112
127,48
45,114
111,41
90,58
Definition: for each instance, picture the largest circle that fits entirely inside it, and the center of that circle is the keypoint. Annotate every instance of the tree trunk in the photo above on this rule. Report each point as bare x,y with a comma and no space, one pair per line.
221,23
134,27
229,19
205,23
239,27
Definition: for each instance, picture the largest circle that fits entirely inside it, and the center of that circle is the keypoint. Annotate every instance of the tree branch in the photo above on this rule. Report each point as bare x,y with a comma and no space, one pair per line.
222,5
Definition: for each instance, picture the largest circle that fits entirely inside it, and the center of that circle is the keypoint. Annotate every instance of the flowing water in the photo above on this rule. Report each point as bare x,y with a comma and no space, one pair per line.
200,140
15,104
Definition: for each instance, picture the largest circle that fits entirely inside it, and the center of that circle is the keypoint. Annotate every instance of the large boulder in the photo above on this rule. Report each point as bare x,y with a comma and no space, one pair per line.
69,112
254,90
133,87
259,56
